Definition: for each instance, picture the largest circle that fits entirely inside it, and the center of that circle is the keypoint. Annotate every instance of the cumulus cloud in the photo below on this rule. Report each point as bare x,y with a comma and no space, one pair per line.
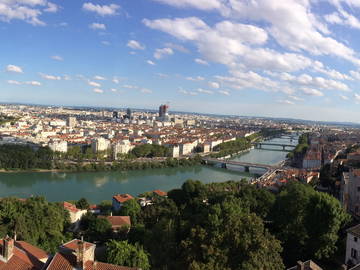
97,26
99,78
14,82
214,85
94,84
25,10
98,90
201,62
102,10
161,53
13,68
150,62
35,83
286,102
197,78
50,77
135,45
57,58
51,8
224,92
230,43
205,91
199,4
311,92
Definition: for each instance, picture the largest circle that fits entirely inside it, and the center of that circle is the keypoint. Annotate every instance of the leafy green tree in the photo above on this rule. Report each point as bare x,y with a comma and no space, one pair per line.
307,222
131,208
82,204
123,253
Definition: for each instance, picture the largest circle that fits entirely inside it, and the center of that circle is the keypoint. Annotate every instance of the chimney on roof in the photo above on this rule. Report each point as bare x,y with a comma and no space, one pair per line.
80,255
300,265
8,248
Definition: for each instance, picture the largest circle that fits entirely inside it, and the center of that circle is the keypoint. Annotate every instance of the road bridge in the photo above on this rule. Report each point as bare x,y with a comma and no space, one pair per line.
246,165
259,145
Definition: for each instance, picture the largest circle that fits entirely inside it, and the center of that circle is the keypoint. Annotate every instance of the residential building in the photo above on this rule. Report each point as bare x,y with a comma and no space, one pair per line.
308,265
353,245
100,144
75,214
119,199
118,222
58,146
80,255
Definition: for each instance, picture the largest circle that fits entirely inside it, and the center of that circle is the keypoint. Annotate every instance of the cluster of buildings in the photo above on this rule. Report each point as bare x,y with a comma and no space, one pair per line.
114,132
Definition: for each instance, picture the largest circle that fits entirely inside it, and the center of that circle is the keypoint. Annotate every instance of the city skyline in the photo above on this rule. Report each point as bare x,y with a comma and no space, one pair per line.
293,59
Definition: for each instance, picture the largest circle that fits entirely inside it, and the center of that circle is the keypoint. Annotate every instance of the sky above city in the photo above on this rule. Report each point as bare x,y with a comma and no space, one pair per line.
283,58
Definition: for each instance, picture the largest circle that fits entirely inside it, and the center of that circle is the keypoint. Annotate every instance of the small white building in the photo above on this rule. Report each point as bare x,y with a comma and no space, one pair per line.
353,245
100,144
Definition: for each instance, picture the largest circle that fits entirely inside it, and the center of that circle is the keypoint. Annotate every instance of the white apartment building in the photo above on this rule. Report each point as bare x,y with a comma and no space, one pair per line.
58,146
122,147
352,192
100,144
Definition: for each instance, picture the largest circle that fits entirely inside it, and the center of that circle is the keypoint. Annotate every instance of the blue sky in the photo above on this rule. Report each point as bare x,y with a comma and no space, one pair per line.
290,58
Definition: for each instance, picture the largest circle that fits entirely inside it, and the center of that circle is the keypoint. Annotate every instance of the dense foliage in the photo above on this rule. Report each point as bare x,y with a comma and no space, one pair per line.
150,150
24,157
35,221
307,222
231,147
125,254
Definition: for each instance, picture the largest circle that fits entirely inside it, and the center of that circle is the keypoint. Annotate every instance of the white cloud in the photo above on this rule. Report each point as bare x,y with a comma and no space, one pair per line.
199,4
230,44
24,10
135,45
286,102
195,79
99,78
344,97
50,77
52,8
311,92
94,84
296,98
201,62
145,91
102,10
66,77
113,90
357,98
106,43
214,85
204,91
14,82
224,92
150,62
177,47
35,83
160,53
57,58
13,68
98,90
97,26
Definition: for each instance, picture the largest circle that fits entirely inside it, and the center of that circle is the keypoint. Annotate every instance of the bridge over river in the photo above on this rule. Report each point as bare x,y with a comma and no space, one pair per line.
246,165
259,145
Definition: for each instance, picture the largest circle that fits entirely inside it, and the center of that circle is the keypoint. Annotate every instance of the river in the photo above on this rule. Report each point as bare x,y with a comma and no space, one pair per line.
98,186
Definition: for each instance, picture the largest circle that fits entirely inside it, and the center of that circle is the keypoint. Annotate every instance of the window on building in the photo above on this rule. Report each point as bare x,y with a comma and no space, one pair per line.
356,209
355,239
354,253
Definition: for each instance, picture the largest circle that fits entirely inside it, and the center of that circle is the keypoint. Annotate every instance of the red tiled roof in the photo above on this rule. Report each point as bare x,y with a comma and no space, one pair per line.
21,260
30,249
160,192
70,207
121,198
118,221
73,244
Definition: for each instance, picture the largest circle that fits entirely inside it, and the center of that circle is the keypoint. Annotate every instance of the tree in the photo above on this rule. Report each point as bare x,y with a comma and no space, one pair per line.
98,228
125,254
307,222
131,208
82,204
